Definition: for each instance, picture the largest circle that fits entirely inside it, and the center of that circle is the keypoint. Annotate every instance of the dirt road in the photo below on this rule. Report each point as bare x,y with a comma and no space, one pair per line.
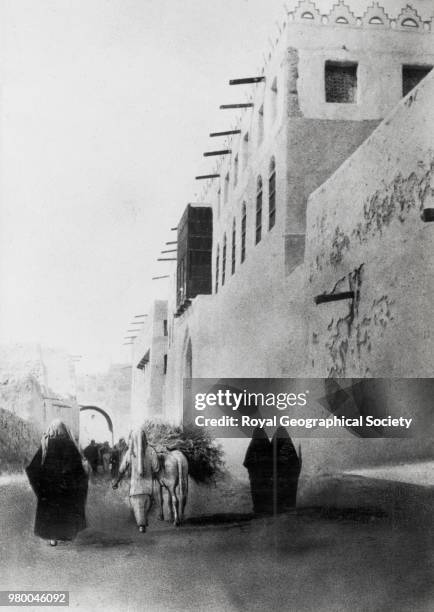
304,562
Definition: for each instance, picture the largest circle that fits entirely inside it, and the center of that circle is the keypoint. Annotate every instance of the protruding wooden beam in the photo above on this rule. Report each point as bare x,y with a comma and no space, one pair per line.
221,152
202,177
169,251
227,133
166,259
140,316
427,215
172,242
158,277
173,229
241,105
247,80
334,297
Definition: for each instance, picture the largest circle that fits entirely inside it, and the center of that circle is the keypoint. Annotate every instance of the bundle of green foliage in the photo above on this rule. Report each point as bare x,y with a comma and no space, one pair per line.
19,441
204,455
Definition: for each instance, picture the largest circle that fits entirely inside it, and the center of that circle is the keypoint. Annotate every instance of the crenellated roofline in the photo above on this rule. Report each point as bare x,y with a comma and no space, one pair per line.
307,13
375,16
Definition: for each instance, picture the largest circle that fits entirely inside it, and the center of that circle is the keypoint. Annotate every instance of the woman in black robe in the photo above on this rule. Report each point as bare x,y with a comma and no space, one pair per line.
59,481
259,463
286,470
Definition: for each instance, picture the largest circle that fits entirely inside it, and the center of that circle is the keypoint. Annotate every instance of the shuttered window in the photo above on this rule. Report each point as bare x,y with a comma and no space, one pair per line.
341,82
258,231
234,246
272,194
217,268
224,260
243,232
412,76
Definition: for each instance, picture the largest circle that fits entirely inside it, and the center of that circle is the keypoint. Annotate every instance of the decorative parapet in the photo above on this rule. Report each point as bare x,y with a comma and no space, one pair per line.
341,15
375,16
307,11
409,19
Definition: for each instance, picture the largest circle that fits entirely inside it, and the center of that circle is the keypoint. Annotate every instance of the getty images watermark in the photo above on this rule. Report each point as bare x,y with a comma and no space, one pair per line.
310,407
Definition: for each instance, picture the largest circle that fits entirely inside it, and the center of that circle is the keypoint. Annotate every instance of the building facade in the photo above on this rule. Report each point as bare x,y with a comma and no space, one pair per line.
39,384
325,117
105,400
150,365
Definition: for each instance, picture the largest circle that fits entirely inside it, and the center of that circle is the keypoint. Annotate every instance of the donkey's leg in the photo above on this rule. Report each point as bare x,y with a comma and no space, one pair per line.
184,499
175,505
161,498
169,504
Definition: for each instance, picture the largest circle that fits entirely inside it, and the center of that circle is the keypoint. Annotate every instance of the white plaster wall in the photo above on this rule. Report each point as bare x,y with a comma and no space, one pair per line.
147,384
367,218
261,323
380,55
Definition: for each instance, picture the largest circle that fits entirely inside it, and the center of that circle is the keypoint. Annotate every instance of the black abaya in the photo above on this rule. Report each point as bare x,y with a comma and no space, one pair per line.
60,484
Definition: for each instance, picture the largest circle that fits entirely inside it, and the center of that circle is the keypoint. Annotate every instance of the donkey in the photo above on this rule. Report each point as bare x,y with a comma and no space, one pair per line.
173,475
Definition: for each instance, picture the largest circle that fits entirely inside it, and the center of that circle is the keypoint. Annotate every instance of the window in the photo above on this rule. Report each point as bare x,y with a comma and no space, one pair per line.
341,82
234,245
243,232
376,21
217,268
219,199
245,150
272,194
261,124
144,361
226,189
165,327
412,75
224,260
258,233
165,364
236,170
181,282
307,15
341,20
274,99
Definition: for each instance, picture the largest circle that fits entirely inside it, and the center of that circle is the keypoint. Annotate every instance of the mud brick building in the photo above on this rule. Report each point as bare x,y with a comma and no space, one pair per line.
325,187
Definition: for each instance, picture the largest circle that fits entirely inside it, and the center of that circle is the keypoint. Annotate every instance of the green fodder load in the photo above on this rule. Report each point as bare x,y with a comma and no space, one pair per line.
204,455
19,440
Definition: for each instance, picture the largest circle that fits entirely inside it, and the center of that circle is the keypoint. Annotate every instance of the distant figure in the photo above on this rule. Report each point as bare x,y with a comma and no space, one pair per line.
92,455
114,461
116,456
259,464
105,453
59,480
143,461
286,470
123,447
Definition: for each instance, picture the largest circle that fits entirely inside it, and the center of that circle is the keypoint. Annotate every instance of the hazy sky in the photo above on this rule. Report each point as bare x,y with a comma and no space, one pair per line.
106,107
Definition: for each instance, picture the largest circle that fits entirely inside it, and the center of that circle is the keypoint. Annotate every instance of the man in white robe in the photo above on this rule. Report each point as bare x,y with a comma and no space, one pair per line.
143,461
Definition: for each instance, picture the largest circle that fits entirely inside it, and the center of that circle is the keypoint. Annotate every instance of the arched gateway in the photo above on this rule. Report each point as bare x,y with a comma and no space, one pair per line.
104,414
